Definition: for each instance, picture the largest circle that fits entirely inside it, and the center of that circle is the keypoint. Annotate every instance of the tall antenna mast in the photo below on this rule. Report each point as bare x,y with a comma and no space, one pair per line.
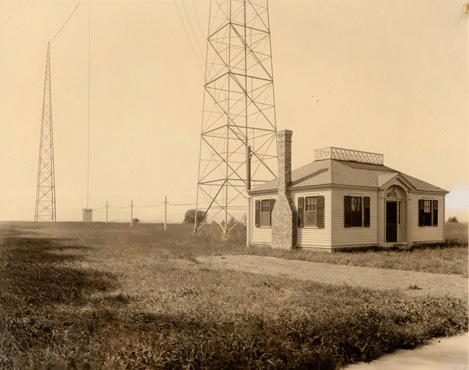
89,89
88,212
45,194
239,131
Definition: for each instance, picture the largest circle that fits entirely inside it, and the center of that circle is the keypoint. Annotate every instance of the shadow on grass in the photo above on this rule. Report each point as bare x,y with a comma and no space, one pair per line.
39,272
42,284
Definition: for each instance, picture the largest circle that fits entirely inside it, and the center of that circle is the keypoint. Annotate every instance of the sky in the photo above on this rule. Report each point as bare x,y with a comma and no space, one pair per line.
382,76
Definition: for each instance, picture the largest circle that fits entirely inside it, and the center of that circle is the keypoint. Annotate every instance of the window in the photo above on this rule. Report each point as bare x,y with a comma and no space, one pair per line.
264,209
356,211
428,212
265,212
311,211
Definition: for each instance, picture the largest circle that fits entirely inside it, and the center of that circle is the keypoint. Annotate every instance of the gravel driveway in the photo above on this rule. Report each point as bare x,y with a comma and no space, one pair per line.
422,283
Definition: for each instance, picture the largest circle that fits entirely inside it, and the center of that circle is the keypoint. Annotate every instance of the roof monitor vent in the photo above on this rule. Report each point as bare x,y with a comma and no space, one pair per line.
348,155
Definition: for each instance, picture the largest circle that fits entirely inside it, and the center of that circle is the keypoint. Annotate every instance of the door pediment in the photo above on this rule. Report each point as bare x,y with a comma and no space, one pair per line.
389,179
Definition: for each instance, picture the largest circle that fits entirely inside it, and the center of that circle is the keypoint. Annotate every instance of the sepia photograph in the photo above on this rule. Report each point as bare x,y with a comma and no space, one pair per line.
234,184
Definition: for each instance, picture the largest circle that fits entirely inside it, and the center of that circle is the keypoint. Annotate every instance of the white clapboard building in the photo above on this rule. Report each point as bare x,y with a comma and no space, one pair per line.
344,199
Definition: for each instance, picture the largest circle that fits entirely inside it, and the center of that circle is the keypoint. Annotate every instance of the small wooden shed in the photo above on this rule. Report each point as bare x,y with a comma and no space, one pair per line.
344,199
87,214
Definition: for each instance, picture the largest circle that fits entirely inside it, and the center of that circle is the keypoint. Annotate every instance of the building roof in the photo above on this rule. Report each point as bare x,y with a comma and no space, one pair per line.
345,173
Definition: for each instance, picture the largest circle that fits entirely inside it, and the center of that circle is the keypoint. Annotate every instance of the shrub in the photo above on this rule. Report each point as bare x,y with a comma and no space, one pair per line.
189,216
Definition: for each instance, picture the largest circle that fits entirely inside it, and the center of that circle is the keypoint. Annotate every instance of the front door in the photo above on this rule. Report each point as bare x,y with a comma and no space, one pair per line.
391,222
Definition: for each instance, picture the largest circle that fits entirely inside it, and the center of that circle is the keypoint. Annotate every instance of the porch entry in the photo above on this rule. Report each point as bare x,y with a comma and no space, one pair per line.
391,221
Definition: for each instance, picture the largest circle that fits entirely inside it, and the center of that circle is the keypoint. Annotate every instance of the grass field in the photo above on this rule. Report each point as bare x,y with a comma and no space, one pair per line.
85,296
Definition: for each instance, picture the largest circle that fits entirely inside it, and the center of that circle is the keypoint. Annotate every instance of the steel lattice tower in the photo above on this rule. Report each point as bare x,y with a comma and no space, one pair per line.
238,145
45,196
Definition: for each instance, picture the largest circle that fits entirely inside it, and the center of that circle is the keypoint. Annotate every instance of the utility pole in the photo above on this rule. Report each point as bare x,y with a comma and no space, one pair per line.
131,212
107,207
165,211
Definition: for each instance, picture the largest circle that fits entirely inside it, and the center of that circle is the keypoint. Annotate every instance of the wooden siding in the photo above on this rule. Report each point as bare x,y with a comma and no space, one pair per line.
427,233
263,234
313,236
353,236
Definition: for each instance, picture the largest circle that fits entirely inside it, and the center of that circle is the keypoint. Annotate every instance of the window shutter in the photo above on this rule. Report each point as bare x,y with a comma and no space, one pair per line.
421,213
272,205
321,212
366,209
258,213
347,211
435,213
301,212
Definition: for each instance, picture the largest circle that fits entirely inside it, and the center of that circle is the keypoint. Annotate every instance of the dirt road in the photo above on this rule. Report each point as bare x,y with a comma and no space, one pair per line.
409,282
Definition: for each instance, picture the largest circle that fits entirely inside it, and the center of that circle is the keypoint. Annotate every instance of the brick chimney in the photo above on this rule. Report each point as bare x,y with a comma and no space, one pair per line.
284,160
284,213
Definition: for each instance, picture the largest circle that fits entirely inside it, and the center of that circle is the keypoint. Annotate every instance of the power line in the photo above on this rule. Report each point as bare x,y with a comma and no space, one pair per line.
193,32
198,20
150,206
61,28
187,34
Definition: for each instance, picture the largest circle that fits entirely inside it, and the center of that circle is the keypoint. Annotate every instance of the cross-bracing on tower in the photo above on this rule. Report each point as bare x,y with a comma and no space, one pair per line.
238,147
45,194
